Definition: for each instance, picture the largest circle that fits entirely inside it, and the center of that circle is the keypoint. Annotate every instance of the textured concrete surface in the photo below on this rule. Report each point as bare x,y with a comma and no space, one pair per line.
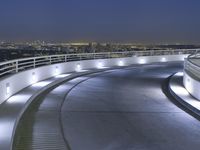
180,93
122,109
39,127
126,110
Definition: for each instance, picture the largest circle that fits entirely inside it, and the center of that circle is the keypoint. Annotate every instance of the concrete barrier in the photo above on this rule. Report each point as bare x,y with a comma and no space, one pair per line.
16,82
192,84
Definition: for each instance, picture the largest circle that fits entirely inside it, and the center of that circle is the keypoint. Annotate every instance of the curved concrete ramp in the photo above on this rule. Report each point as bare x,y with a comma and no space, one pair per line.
122,109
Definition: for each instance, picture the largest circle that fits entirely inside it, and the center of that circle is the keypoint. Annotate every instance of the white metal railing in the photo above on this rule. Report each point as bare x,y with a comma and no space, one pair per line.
18,65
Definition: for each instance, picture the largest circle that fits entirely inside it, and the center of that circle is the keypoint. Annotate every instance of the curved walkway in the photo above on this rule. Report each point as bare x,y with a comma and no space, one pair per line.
13,109
122,109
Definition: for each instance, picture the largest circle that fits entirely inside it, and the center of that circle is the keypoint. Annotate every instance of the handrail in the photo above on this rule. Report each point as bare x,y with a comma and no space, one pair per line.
14,66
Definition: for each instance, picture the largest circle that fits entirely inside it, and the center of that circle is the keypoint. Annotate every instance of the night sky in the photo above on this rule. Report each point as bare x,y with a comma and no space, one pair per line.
141,21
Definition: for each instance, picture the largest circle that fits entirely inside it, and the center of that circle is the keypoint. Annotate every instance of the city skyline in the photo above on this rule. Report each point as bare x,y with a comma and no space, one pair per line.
129,21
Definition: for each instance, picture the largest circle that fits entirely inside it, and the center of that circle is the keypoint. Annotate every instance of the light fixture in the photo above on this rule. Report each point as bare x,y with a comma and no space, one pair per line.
163,59
189,86
100,65
121,63
33,77
7,88
142,61
56,70
78,67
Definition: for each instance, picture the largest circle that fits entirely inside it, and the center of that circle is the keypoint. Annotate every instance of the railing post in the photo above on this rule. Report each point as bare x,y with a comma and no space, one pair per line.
152,52
34,63
65,58
16,66
172,52
50,59
109,55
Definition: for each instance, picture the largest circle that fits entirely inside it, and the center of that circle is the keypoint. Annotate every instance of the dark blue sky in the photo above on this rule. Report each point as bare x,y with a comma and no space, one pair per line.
144,21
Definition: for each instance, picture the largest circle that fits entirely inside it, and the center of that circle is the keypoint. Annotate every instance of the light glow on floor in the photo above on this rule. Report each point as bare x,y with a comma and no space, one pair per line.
41,84
62,75
19,98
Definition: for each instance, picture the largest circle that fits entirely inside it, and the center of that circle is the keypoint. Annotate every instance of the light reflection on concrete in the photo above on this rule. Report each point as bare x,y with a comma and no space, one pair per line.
62,75
181,92
19,98
5,129
41,84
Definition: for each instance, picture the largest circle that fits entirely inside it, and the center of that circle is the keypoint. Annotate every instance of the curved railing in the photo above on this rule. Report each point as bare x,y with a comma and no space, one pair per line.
192,64
18,65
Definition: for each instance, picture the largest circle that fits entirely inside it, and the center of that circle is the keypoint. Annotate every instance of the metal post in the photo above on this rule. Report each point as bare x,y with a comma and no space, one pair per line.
16,67
109,55
34,63
152,52
172,52
50,60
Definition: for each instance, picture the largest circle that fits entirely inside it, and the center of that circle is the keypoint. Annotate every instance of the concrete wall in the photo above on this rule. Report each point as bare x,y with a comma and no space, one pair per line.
192,85
13,84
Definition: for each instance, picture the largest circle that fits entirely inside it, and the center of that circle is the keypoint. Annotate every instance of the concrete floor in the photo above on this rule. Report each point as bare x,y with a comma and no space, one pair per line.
123,109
